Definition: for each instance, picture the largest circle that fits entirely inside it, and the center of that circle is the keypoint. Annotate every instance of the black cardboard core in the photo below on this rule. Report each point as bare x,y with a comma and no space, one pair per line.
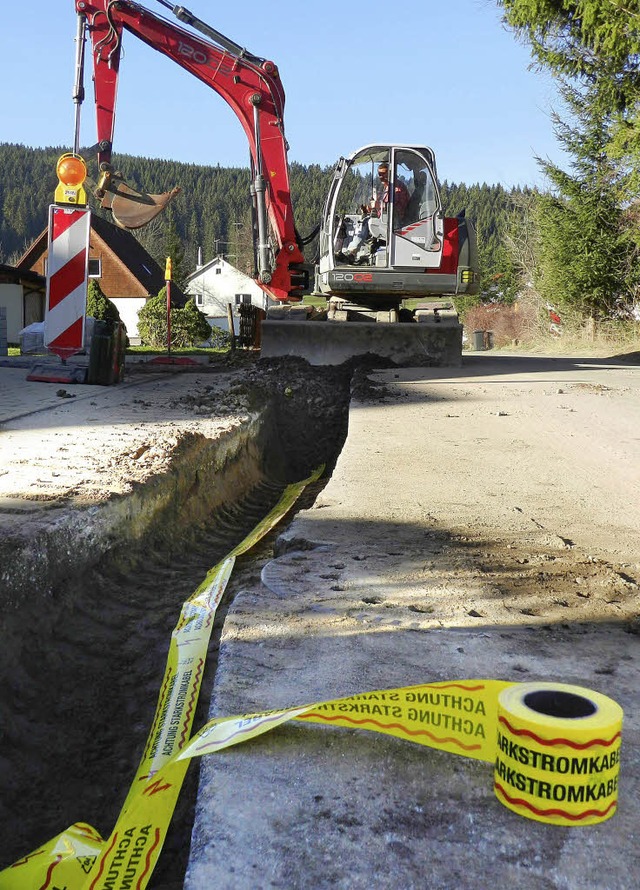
559,704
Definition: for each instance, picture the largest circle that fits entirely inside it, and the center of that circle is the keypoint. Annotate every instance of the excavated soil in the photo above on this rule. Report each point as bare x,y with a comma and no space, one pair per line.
81,663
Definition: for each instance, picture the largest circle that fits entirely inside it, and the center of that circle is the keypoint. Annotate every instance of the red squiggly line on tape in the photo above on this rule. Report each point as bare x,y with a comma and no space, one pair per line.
574,817
450,685
103,861
88,831
156,718
47,880
26,859
191,705
147,862
393,726
211,611
578,746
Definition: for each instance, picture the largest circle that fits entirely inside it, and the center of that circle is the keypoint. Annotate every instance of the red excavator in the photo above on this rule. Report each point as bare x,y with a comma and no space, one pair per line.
383,239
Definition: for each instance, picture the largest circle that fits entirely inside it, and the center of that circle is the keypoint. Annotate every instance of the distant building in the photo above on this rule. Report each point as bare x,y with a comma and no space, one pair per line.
128,275
218,283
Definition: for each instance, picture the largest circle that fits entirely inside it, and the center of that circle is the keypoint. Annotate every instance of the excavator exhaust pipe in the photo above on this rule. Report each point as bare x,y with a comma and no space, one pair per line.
130,208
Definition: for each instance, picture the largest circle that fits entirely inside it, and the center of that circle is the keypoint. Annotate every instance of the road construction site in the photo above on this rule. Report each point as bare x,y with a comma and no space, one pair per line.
473,522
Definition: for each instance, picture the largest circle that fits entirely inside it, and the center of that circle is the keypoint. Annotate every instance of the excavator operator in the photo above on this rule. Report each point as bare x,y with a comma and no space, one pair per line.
365,235
400,195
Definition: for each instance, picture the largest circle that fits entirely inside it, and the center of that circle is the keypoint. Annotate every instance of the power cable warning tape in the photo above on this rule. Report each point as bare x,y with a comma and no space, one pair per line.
77,857
558,754
555,747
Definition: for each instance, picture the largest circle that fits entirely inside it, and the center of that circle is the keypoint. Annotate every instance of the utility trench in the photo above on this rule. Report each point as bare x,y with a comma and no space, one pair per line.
81,664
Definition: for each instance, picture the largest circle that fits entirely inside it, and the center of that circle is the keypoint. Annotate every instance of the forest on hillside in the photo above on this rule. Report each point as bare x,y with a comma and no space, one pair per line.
213,212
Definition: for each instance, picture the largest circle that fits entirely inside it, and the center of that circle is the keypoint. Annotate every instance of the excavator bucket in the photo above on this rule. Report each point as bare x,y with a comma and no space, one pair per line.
132,209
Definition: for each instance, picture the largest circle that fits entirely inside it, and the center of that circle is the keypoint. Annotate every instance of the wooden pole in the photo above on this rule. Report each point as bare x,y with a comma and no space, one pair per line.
231,330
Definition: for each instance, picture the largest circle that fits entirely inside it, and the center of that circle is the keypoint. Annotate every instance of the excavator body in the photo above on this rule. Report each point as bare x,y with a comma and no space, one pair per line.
390,264
385,244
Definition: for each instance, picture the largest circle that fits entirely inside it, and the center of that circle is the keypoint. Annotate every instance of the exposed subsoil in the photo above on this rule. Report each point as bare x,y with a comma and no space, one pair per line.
80,670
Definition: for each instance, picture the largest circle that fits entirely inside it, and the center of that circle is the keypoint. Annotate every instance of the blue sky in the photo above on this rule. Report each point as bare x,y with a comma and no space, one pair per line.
443,74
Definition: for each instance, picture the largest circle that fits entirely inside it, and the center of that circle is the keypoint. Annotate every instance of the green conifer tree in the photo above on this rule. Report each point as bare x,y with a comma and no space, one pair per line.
99,306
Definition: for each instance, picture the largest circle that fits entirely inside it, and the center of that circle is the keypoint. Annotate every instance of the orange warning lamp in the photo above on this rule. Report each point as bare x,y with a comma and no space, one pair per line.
72,172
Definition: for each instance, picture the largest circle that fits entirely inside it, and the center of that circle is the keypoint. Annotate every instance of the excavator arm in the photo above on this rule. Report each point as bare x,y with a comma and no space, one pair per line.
250,85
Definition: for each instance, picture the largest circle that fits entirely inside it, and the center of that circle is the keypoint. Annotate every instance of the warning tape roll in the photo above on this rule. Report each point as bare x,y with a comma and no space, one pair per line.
555,748
558,753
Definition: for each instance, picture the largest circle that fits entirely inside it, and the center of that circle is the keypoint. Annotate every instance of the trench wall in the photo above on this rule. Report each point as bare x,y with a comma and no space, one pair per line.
40,552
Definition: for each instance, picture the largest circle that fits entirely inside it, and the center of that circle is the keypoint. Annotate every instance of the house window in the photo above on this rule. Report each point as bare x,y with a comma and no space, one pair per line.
243,298
95,267
199,299
218,270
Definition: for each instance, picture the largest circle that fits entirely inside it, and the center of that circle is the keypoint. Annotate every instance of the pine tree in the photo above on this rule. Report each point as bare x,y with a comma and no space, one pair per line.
588,234
585,247
596,44
100,306
189,326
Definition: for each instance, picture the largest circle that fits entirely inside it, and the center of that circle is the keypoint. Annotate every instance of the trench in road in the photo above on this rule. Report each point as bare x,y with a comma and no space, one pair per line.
80,671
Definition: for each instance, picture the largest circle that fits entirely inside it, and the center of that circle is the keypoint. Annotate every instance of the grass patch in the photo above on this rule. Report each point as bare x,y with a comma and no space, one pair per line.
311,300
525,327
590,338
187,350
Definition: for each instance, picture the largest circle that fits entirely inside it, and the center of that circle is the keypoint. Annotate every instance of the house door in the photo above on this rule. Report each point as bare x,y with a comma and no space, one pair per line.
33,307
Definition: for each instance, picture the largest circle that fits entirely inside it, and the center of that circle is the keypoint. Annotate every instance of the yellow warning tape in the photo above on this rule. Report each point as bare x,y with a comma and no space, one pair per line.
74,858
555,747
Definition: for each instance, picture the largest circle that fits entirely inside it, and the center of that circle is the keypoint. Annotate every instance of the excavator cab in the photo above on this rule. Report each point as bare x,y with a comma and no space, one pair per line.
385,236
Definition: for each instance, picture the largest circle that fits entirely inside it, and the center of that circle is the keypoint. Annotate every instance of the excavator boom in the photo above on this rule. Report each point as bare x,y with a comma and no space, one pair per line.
251,87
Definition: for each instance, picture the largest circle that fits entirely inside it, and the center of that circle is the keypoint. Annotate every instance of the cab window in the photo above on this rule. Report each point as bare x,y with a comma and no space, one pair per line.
415,176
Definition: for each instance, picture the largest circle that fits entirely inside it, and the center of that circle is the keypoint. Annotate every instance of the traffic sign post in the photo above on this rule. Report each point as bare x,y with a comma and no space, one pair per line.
167,279
67,275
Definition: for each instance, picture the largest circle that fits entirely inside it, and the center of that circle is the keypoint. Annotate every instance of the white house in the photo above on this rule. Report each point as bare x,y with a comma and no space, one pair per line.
22,295
218,283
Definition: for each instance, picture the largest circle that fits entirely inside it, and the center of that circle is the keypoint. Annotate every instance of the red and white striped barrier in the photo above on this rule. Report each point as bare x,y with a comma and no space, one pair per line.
67,273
